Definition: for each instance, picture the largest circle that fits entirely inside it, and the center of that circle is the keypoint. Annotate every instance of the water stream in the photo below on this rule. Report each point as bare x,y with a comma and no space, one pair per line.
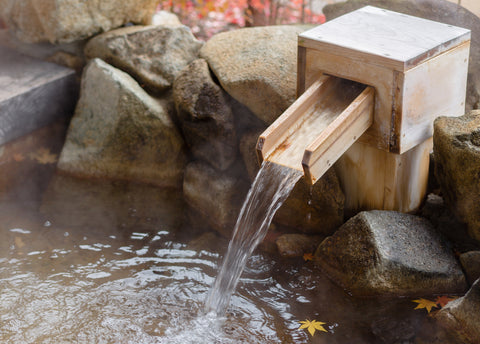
271,187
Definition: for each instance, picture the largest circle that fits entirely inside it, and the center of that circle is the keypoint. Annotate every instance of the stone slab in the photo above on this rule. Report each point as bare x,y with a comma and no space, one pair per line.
33,93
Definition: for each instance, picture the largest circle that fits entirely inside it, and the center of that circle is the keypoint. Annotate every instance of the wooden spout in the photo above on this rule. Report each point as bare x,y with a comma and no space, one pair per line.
313,133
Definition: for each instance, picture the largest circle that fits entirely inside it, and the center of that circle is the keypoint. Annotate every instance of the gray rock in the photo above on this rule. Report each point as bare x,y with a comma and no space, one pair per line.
216,196
296,245
438,10
390,253
153,55
122,134
462,316
316,209
257,66
206,117
456,143
43,50
471,265
61,21
33,93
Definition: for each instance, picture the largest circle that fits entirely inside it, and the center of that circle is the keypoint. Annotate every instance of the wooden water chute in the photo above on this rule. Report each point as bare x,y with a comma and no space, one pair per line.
370,84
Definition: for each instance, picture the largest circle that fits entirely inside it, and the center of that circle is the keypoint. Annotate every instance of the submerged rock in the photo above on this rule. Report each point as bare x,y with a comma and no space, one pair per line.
462,316
471,265
443,11
153,55
257,66
456,143
296,245
316,209
206,117
216,196
120,132
110,205
60,21
390,253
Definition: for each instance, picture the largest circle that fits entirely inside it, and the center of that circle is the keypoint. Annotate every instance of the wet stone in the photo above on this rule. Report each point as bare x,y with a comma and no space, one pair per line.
60,21
296,245
462,317
33,93
125,134
390,253
457,166
471,265
257,66
206,117
153,55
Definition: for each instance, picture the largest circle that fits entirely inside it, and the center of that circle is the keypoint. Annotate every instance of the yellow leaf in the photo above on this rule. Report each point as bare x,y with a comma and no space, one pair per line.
427,304
308,256
44,156
311,326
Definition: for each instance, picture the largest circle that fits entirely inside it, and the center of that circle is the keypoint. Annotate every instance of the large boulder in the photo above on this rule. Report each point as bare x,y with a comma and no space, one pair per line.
462,316
206,118
122,134
61,21
438,10
153,55
216,196
456,142
390,253
257,66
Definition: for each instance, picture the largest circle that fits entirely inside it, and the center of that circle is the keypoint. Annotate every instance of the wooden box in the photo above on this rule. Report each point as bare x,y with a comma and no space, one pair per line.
417,67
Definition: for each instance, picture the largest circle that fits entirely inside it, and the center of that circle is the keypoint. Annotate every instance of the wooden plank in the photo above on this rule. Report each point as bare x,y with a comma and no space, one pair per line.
289,121
301,65
390,39
381,78
284,142
405,182
325,150
435,88
375,179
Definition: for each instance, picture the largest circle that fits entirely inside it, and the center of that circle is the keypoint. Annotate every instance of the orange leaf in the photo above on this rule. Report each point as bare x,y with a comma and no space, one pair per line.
308,256
442,301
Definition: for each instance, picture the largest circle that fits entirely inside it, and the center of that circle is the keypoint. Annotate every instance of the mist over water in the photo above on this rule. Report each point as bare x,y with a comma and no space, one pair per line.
270,189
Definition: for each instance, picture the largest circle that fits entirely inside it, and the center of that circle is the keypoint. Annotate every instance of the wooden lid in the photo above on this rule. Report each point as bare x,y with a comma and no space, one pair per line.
394,40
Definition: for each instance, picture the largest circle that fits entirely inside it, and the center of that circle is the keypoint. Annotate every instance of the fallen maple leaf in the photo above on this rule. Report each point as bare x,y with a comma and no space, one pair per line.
311,326
44,156
308,256
442,301
423,303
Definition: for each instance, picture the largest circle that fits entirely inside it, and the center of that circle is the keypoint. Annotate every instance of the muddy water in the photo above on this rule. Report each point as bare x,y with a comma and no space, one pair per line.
113,262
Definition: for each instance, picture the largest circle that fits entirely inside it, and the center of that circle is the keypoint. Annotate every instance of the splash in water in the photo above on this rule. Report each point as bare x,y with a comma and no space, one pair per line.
271,187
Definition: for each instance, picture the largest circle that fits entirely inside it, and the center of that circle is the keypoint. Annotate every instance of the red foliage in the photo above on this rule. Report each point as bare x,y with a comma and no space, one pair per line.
207,17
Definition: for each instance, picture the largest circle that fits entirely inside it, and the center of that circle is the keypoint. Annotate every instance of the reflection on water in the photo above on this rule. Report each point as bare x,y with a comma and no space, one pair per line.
102,262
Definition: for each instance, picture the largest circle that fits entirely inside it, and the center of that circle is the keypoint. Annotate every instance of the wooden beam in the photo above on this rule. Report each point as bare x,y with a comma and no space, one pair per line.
329,146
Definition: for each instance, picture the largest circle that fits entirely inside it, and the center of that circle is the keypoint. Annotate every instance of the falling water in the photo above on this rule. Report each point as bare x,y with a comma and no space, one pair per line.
271,187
